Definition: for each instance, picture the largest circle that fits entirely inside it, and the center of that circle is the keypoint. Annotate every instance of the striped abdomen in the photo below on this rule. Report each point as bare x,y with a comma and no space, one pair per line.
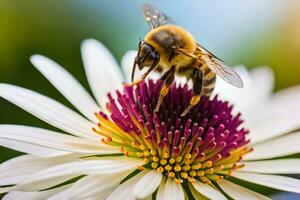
209,81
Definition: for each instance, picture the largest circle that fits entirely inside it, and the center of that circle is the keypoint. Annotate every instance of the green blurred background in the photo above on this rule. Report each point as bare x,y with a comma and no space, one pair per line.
250,32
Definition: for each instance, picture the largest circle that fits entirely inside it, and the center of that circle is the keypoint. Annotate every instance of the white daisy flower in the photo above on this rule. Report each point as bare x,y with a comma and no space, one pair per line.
118,148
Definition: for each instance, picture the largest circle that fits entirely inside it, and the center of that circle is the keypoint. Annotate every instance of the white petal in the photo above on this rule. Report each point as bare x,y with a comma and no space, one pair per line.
282,146
262,79
127,63
258,85
281,166
170,190
238,192
161,190
61,173
208,191
17,169
92,185
278,116
124,191
273,181
48,110
31,148
54,140
147,184
67,85
196,194
17,195
100,196
102,70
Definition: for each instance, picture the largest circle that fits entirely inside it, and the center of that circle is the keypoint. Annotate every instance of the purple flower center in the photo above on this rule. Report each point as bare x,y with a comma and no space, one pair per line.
204,145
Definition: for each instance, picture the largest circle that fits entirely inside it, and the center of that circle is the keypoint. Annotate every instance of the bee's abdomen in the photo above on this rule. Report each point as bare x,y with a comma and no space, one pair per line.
209,82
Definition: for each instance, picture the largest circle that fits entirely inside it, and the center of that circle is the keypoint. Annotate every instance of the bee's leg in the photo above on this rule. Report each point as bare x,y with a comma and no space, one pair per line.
197,89
168,79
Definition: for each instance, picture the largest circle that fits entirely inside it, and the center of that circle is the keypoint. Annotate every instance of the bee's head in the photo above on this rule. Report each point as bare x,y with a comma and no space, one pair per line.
147,56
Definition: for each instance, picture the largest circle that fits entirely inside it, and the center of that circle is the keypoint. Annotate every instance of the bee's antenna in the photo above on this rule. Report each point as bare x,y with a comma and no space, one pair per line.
133,70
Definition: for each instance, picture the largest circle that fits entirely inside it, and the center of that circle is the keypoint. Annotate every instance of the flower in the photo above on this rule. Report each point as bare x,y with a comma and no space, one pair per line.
121,149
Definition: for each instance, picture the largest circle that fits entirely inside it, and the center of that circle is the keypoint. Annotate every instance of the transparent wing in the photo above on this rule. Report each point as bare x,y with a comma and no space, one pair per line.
220,68
154,16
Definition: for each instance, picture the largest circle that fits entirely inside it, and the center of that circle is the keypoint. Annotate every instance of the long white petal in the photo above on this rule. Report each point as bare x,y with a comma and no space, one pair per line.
282,146
147,184
238,192
196,194
125,190
161,190
208,191
101,196
54,140
17,195
170,190
92,185
102,70
278,116
127,63
273,181
67,85
31,148
17,169
61,173
250,96
48,110
281,166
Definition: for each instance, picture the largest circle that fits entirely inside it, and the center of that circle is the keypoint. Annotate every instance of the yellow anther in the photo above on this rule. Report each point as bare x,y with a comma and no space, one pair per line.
191,180
168,167
200,173
172,161
179,159
140,167
142,147
184,175
204,179
171,174
160,169
154,165
146,160
163,162
209,171
155,158
140,154
207,164
177,168
166,155
193,173
188,156
186,168
146,153
178,181
187,161
153,152
196,166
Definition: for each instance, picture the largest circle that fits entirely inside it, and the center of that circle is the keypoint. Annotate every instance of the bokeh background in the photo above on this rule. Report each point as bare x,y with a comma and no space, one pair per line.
249,32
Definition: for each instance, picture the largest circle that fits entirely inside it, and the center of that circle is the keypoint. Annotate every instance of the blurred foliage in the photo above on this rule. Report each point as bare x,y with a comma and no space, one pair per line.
56,29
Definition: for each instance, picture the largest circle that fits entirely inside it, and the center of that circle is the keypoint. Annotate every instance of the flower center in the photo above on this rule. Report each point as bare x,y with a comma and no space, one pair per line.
204,145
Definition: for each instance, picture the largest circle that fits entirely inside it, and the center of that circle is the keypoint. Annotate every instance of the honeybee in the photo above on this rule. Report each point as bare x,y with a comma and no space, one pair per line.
170,48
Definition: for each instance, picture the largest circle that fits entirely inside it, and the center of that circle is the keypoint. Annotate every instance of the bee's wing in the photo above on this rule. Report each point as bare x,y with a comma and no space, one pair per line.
154,16
221,69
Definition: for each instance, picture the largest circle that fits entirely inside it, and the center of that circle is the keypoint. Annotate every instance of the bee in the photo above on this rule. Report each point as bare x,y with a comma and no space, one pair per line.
172,49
